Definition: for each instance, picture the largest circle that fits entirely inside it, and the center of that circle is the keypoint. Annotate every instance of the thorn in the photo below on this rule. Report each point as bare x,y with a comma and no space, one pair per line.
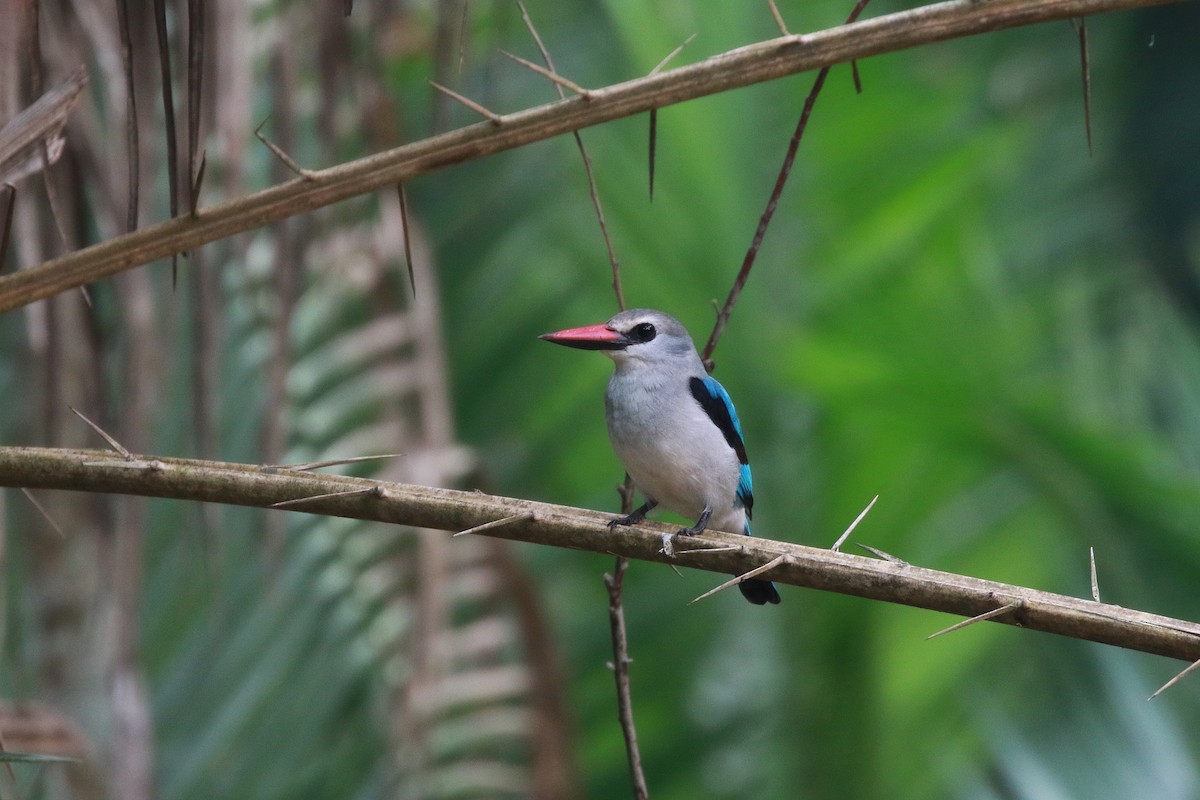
377,491
308,175
491,116
332,463
875,551
44,512
6,227
723,549
995,612
856,76
550,74
199,181
675,569
660,66
499,523
837,546
153,465
1191,668
653,147
778,18
1095,583
113,443
405,229
774,562
1086,71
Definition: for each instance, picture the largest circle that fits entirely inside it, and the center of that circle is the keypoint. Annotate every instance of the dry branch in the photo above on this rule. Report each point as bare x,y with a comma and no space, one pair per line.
580,529
22,137
775,58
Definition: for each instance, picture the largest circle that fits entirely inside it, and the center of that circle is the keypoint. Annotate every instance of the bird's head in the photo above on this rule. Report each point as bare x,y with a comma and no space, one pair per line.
639,334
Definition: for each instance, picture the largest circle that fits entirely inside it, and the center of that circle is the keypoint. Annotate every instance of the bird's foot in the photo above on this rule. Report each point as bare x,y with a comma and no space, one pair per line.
628,519
633,518
700,525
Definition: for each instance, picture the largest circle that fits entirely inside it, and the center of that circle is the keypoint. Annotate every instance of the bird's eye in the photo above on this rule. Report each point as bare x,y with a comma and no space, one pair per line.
643,332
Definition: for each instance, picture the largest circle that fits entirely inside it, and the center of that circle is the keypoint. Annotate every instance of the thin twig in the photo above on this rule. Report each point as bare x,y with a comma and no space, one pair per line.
772,564
764,221
837,546
621,661
113,443
995,612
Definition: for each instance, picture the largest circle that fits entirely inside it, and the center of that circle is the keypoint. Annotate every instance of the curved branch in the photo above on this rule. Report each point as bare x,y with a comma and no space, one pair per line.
580,529
755,63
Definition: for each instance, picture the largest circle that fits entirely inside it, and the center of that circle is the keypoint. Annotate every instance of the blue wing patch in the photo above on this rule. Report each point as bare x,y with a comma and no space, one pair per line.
715,401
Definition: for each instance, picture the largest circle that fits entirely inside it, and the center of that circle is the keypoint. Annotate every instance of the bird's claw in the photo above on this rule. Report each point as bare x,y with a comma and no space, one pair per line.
633,518
700,526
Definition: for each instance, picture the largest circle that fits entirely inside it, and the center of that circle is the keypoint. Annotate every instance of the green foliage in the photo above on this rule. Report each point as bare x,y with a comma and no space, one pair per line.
956,308
948,312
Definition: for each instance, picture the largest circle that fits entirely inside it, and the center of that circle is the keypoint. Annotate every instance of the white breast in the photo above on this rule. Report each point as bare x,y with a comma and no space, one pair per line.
672,450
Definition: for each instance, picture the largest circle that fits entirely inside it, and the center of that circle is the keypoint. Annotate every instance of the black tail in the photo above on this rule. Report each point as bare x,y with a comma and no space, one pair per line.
759,592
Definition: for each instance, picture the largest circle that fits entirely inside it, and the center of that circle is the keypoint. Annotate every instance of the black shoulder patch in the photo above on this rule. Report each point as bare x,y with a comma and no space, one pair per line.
716,405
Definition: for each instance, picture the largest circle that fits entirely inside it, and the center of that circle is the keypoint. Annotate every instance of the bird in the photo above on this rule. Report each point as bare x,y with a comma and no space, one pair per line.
673,427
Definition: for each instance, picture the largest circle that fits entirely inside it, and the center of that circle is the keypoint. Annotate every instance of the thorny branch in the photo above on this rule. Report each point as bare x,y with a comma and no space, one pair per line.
581,529
755,63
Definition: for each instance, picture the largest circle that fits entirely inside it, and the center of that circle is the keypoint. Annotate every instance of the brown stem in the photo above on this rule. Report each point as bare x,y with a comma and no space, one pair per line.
581,529
744,66
620,665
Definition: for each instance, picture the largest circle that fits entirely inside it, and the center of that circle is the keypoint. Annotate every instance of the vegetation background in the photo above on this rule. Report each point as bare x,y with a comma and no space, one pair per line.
958,308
